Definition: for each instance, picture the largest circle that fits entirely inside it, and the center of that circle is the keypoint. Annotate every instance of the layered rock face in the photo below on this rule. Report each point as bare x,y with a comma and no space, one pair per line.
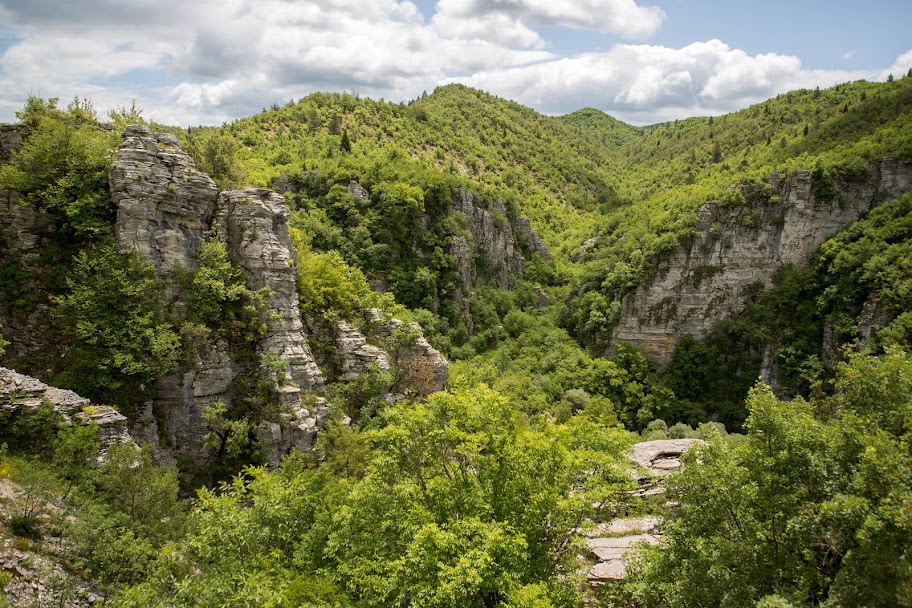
166,209
21,392
24,231
496,237
253,225
164,204
422,369
738,250
425,370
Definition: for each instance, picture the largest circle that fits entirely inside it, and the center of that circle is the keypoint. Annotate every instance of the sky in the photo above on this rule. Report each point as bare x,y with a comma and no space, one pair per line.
191,62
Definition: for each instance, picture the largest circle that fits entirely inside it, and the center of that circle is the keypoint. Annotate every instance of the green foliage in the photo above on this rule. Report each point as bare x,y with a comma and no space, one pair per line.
147,493
218,298
122,116
27,429
62,168
75,446
120,338
807,507
215,153
465,504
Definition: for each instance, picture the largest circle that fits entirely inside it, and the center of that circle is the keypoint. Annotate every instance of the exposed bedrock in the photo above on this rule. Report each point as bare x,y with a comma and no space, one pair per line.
738,250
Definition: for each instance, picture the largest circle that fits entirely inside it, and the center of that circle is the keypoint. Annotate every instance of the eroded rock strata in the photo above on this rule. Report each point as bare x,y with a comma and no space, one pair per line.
738,250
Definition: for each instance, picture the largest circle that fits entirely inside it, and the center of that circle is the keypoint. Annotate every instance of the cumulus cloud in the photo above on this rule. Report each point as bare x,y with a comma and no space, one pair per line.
644,83
507,20
900,67
207,61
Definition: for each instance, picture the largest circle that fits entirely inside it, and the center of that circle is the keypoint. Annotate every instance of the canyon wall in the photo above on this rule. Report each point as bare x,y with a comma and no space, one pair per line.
738,249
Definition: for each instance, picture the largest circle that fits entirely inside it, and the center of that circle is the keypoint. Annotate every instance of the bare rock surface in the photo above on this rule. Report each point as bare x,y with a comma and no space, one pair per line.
661,455
18,391
253,223
298,430
496,236
739,248
164,203
24,231
609,543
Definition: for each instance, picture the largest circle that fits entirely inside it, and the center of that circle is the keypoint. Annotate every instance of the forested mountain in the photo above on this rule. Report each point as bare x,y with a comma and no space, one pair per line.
394,354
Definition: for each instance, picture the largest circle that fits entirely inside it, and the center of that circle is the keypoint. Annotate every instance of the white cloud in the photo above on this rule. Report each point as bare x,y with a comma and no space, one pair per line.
507,21
206,61
900,67
848,55
645,84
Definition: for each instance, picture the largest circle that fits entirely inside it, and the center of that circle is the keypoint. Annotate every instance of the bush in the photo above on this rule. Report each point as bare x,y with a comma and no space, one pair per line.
120,340
25,526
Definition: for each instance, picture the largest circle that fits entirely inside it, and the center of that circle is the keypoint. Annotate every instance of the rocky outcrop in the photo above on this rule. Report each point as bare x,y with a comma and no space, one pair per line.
253,225
24,233
390,345
164,203
497,240
424,369
297,430
347,353
21,392
10,140
737,250
610,543
166,208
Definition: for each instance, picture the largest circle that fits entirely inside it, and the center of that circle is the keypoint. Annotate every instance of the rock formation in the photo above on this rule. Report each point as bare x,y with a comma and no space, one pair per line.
738,250
609,543
24,232
21,392
347,353
253,225
424,368
166,210
164,203
499,239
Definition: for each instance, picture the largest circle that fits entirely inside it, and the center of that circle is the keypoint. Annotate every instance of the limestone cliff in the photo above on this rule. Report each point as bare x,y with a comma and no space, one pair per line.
738,250
166,208
497,239
24,234
497,245
390,346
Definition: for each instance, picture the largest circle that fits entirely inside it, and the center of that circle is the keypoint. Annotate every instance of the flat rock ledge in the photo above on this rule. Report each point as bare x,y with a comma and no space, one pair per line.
18,391
610,542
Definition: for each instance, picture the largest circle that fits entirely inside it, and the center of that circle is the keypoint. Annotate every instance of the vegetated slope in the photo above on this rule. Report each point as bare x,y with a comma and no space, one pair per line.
608,129
673,168
465,137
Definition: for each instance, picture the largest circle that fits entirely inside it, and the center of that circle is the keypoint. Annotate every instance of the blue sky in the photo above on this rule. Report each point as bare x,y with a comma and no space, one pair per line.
208,61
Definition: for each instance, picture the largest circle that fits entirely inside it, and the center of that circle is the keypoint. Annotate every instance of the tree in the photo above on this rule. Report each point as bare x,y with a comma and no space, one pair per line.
62,167
113,316
3,343
215,153
808,506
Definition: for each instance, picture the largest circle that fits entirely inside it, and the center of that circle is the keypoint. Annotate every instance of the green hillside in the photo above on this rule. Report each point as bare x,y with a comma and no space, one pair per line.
477,495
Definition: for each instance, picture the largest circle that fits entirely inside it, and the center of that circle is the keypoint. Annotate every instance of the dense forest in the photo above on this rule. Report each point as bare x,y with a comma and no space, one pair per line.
516,244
